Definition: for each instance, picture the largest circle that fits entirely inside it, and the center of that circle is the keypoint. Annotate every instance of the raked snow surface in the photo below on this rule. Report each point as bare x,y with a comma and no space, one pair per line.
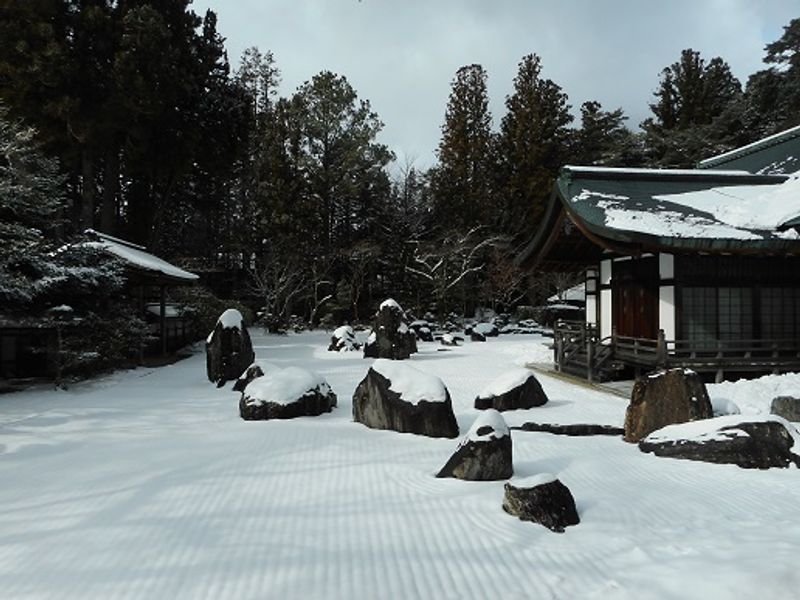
147,484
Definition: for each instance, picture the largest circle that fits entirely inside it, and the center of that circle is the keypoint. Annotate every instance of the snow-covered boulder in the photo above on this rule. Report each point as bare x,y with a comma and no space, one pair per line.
257,369
486,329
343,339
228,348
665,398
391,336
752,442
422,329
786,407
517,388
485,452
286,394
448,339
401,398
542,499
476,336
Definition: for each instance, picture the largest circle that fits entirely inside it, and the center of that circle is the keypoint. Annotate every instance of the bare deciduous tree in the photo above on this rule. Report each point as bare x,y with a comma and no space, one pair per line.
448,262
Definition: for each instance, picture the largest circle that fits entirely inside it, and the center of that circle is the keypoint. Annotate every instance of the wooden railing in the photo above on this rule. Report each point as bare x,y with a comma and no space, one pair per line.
578,347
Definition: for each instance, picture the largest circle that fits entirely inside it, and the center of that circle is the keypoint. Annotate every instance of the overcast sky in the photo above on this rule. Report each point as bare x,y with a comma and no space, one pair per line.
401,55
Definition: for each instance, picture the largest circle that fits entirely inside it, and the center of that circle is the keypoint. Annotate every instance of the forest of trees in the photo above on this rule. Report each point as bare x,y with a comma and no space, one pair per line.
125,116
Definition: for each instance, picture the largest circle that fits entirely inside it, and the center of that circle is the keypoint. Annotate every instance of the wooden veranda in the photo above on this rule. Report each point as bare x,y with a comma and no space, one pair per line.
578,350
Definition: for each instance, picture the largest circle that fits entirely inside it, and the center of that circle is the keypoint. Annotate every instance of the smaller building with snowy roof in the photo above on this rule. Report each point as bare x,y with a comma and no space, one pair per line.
694,267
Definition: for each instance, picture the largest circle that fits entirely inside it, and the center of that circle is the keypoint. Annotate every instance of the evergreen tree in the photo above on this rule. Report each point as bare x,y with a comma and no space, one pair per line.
341,159
695,112
121,92
533,145
462,191
604,140
31,208
772,97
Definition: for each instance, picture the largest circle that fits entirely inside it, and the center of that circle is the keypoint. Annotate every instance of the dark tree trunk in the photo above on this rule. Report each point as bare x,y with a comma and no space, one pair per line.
108,211
87,190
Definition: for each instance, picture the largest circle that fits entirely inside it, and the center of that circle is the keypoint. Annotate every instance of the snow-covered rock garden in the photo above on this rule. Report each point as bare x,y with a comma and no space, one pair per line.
157,487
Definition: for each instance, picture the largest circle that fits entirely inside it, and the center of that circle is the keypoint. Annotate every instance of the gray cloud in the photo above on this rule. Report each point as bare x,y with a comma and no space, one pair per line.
402,55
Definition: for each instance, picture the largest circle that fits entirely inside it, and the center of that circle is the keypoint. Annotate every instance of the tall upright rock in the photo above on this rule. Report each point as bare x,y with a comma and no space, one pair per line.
391,337
229,351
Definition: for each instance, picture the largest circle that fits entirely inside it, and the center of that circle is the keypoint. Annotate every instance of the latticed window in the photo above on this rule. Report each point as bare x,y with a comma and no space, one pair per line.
700,314
780,313
735,313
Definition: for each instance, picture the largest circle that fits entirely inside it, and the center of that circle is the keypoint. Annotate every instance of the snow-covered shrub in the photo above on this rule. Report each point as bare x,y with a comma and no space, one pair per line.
98,342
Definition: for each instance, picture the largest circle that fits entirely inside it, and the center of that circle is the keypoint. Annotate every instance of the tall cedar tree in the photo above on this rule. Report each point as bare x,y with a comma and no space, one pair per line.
533,145
122,92
462,190
695,112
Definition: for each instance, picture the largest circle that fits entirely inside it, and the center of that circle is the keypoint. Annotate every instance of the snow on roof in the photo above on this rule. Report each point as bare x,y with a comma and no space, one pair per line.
284,386
489,419
668,172
576,293
412,384
505,382
136,256
742,212
746,207
231,319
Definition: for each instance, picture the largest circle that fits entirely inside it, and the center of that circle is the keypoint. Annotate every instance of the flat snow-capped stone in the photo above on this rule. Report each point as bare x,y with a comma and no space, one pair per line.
412,384
486,329
506,382
485,453
514,389
285,394
284,386
758,441
401,398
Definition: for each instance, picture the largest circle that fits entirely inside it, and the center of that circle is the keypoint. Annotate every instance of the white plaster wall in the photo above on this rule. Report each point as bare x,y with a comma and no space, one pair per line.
666,311
591,309
605,313
605,272
666,266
